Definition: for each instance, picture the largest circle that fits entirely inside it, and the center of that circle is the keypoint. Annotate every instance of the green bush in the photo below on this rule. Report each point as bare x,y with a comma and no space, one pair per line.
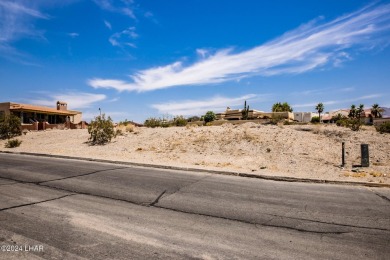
342,122
352,123
10,126
355,124
180,121
152,122
209,117
13,143
101,130
315,120
193,119
383,128
275,119
125,123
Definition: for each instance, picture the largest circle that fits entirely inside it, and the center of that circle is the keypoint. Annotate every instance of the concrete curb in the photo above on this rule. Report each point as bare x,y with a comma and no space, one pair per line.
248,175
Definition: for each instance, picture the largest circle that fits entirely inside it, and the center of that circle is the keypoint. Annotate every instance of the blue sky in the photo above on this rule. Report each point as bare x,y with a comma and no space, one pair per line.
136,59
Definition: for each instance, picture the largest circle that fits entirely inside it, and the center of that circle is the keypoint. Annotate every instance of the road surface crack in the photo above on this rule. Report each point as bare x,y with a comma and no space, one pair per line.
381,196
254,223
154,204
81,175
185,186
304,230
157,199
270,225
37,202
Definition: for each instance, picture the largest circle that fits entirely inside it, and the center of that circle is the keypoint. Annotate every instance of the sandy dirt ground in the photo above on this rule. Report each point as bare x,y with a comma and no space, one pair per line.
300,151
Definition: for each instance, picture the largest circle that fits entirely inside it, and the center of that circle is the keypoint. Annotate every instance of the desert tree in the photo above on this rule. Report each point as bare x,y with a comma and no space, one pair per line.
352,112
10,126
209,117
320,109
281,107
360,111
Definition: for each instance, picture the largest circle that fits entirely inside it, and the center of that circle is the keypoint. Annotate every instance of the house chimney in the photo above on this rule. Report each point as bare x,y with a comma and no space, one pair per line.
62,106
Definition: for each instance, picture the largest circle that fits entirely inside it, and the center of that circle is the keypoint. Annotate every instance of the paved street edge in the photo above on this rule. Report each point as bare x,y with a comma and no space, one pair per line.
239,174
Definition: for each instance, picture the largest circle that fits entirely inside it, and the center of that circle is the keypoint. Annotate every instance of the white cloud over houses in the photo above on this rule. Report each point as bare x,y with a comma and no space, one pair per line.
75,100
200,107
333,102
306,48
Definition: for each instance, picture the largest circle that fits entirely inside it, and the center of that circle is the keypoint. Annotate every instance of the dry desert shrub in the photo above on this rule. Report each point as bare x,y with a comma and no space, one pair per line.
191,126
248,136
304,129
12,143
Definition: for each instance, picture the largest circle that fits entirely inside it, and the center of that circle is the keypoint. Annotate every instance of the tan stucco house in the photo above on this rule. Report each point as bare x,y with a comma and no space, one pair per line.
35,117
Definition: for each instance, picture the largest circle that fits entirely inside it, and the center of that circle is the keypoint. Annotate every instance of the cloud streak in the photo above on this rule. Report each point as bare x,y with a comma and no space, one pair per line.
124,37
306,48
75,100
197,107
333,102
15,21
124,7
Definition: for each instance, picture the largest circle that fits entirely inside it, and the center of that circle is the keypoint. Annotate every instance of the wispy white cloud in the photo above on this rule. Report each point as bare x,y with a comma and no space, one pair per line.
16,19
308,47
75,100
124,37
16,7
108,24
148,14
89,115
198,107
124,7
202,53
333,102
17,22
322,91
73,35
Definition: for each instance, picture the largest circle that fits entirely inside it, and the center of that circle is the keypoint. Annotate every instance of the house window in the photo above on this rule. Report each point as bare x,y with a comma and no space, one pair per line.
2,114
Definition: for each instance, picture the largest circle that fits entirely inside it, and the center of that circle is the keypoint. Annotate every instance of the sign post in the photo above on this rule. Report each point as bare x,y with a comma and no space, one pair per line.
365,155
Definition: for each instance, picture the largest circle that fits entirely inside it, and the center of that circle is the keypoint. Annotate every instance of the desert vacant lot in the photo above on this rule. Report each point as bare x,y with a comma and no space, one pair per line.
307,151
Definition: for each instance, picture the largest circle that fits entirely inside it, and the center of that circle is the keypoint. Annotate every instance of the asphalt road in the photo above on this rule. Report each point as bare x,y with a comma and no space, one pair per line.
69,209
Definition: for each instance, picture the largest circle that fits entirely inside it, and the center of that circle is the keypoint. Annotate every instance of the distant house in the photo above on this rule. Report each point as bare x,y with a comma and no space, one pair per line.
366,116
236,114
327,117
304,117
385,117
35,117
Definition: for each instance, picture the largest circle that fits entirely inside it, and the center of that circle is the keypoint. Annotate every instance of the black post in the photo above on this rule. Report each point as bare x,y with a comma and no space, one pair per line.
365,155
342,154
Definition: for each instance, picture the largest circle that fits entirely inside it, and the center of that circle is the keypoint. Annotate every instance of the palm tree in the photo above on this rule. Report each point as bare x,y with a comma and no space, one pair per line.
320,109
376,111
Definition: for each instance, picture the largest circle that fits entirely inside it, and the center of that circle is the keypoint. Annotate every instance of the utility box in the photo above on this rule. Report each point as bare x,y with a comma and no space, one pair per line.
365,155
